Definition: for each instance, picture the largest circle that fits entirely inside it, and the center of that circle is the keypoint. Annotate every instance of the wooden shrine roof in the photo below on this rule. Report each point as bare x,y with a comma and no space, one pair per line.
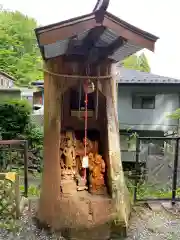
93,38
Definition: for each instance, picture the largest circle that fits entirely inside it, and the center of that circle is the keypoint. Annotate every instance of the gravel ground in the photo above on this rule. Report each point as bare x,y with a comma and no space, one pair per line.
28,230
145,224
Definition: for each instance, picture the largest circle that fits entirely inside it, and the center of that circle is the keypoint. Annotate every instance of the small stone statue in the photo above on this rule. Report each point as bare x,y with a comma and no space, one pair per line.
97,170
69,153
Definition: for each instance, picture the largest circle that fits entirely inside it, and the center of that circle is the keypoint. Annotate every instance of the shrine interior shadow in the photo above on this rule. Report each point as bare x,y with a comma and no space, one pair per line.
73,127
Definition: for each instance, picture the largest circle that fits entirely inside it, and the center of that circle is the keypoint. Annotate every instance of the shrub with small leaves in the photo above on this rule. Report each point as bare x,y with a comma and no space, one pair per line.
34,135
14,117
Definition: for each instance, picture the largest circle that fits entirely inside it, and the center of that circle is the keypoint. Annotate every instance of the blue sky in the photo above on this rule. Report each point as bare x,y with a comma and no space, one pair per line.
156,16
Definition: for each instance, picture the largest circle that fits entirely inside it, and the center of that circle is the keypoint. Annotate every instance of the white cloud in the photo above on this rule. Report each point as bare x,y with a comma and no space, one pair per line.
157,17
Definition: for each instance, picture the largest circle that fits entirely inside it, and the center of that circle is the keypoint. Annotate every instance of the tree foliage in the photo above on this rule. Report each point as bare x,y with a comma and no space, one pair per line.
19,53
175,115
14,117
137,63
34,135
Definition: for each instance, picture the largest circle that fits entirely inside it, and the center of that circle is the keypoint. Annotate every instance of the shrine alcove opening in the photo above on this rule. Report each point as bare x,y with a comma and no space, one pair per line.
73,126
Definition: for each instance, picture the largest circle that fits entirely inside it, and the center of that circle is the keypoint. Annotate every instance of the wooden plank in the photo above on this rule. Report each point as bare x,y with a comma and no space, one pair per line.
103,52
17,196
2,176
26,169
9,142
64,32
11,195
120,30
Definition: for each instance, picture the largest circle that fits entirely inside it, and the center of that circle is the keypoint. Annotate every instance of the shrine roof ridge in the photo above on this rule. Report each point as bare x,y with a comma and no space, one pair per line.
93,38
84,17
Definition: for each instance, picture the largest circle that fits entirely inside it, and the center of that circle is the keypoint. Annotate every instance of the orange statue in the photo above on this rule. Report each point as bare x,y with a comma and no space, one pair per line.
97,170
91,158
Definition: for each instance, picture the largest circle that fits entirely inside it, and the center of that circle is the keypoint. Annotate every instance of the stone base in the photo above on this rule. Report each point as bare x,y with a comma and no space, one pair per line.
82,188
68,186
85,215
81,183
100,191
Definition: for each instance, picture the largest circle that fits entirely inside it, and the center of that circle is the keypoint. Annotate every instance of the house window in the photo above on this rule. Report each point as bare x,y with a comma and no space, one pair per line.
143,102
2,81
5,83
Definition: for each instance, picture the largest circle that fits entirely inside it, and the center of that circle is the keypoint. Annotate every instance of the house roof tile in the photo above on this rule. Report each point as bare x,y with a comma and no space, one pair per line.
130,76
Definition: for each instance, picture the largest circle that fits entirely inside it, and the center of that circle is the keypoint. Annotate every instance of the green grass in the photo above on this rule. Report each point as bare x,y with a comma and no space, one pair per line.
33,191
10,225
145,191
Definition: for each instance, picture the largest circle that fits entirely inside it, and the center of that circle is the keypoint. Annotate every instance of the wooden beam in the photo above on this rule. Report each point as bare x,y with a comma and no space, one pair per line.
64,32
90,40
111,48
133,36
100,9
100,54
101,5
67,29
76,47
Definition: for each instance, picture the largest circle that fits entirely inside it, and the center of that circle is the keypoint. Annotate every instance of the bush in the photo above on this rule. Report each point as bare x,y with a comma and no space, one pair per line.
14,117
34,135
15,123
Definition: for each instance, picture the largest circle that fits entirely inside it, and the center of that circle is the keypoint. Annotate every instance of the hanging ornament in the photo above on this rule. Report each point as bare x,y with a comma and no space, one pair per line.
89,87
97,93
80,96
85,158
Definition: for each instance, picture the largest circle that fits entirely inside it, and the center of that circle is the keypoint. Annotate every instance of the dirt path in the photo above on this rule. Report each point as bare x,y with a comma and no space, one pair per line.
159,224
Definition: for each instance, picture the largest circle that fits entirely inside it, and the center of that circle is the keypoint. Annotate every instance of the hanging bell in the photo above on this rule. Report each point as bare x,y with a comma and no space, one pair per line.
89,86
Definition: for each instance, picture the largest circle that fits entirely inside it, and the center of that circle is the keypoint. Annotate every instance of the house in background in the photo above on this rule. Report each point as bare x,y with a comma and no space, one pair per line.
7,87
6,81
38,96
144,101
27,93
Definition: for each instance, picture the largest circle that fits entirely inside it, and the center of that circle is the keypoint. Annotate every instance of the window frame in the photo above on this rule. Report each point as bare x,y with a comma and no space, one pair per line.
142,98
2,82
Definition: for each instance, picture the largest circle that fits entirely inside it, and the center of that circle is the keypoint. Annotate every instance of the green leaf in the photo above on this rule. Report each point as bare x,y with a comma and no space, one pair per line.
175,115
19,53
137,63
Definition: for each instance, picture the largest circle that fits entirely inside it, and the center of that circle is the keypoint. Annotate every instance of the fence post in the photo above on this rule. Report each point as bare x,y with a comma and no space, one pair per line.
26,169
136,168
17,196
174,182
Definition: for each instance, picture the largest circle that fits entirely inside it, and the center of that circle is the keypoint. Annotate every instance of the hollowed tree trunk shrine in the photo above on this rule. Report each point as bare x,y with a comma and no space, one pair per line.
83,183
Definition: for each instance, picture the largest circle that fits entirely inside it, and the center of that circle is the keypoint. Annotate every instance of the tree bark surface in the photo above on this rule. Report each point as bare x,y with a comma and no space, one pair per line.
120,193
50,191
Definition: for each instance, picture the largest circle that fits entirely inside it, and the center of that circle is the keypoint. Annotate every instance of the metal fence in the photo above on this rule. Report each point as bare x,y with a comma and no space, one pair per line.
157,176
